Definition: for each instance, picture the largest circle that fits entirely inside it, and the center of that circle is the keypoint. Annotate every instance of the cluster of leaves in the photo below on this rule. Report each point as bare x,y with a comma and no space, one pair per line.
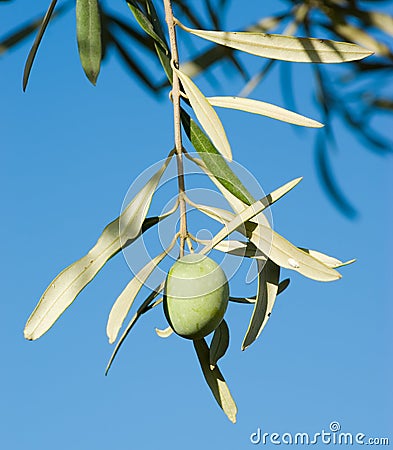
269,249
346,20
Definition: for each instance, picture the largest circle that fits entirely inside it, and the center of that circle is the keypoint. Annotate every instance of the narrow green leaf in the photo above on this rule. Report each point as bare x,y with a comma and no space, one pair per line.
146,306
264,109
146,24
282,286
36,44
206,115
63,290
88,31
215,381
164,333
219,344
125,300
268,280
285,48
215,163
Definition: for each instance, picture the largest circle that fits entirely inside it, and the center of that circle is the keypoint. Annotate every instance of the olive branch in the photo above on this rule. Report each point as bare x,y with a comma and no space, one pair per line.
270,250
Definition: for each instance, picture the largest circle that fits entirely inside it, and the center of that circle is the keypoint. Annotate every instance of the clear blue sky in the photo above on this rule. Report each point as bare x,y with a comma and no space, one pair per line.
69,154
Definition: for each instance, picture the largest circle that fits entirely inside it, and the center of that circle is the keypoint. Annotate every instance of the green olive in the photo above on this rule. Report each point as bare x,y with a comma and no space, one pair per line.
196,296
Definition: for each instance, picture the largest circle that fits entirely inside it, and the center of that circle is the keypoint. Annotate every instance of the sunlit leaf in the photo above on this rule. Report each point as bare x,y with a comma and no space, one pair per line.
270,243
268,280
330,261
206,115
63,290
219,344
164,333
285,48
146,24
282,286
88,31
263,109
237,222
215,381
146,306
36,44
125,300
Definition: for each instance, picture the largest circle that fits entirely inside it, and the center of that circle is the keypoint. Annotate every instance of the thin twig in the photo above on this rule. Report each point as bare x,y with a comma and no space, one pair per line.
176,94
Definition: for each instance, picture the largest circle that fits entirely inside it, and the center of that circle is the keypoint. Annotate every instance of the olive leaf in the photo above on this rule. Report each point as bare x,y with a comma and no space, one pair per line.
224,216
146,306
213,160
284,48
282,286
237,221
146,24
236,202
63,290
219,344
356,34
239,248
206,115
287,255
88,31
36,44
268,280
164,333
380,20
125,300
163,55
215,380
264,109
270,243
330,261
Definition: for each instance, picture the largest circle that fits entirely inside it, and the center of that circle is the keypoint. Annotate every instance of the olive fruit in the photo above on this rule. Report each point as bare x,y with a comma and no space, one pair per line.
196,296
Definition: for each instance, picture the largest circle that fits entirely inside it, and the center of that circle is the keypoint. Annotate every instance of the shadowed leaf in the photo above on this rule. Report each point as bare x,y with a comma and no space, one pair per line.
206,115
215,380
282,286
125,300
285,48
219,344
164,333
88,31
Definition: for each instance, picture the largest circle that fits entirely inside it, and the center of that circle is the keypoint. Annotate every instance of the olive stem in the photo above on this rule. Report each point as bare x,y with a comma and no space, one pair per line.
176,95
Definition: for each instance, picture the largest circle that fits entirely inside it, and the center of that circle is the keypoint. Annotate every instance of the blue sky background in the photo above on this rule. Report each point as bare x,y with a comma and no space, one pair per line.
69,154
